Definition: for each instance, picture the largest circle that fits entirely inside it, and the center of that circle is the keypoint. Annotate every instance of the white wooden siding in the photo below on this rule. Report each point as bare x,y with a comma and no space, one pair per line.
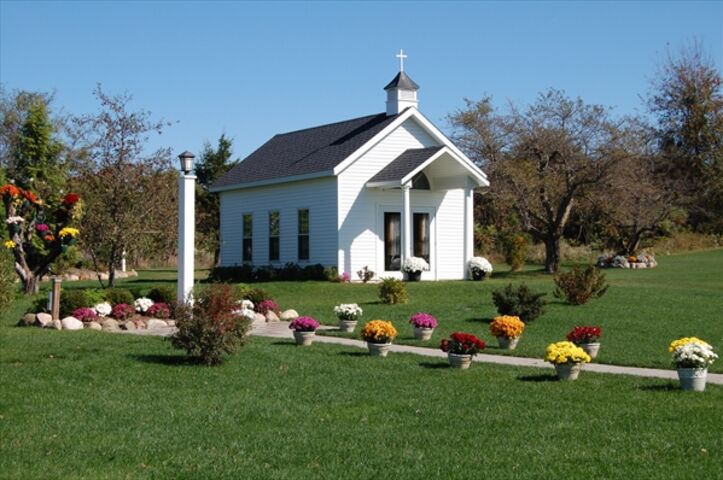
319,196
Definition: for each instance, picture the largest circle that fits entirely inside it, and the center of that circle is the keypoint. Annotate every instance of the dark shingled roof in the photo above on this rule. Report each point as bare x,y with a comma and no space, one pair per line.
404,163
402,80
312,150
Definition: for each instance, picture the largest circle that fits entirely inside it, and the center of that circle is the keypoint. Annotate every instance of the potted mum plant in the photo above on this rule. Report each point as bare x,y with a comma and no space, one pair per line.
379,335
507,329
304,330
413,267
479,268
460,348
567,358
348,315
692,356
424,325
587,338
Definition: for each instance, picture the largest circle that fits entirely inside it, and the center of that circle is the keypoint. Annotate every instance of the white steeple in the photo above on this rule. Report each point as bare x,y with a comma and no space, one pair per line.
401,91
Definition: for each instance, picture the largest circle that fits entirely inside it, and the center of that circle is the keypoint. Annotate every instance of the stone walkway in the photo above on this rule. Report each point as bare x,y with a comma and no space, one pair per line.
281,330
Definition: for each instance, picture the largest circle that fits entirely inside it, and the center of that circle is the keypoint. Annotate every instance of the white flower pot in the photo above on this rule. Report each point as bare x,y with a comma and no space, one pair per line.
692,379
568,371
461,361
304,338
423,333
347,325
508,343
590,348
378,349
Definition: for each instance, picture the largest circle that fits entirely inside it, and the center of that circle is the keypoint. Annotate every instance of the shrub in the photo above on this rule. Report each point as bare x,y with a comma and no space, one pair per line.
515,246
256,295
519,302
71,300
122,311
331,274
159,310
267,273
114,296
95,295
265,306
162,294
393,291
211,327
7,281
289,272
365,274
314,272
580,285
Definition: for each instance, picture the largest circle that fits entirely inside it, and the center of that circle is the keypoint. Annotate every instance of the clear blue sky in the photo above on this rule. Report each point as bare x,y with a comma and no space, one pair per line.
252,70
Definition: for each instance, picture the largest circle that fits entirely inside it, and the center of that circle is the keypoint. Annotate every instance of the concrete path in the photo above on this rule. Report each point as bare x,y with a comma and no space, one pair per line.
281,330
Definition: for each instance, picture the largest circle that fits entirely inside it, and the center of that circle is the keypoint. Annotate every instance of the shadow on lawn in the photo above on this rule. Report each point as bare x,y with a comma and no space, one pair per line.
668,387
545,377
435,365
171,360
354,354
486,320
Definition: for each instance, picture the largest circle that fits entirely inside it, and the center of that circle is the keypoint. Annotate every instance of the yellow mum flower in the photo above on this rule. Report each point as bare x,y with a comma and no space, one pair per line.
379,331
507,326
10,244
565,352
69,232
685,341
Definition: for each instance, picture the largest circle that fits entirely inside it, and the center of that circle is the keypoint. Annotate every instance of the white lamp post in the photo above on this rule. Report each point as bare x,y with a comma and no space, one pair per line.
186,226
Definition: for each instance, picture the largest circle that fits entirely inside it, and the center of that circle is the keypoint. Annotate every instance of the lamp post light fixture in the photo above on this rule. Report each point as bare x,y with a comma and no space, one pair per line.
186,227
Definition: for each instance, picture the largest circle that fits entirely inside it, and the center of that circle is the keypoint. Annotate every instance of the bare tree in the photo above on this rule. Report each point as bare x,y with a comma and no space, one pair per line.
542,160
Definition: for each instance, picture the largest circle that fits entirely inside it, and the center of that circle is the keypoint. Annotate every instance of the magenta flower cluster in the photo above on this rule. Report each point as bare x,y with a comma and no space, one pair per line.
423,320
42,228
122,311
344,278
266,306
159,310
304,324
85,314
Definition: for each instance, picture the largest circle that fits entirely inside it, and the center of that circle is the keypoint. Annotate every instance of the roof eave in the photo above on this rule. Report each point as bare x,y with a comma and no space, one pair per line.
272,181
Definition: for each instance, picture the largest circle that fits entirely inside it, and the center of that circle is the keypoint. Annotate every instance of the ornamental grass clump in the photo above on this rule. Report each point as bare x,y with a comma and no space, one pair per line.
393,291
507,326
583,335
212,326
423,320
692,352
379,331
580,285
304,324
560,353
460,343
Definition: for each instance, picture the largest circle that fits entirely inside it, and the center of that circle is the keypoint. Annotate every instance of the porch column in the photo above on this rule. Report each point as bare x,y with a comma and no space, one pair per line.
406,222
468,226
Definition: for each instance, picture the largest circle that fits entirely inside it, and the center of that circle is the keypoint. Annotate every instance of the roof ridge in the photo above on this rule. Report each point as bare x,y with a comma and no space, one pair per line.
330,124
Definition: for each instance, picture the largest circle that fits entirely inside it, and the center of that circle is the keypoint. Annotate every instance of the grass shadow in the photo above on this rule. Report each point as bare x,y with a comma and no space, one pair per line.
546,377
170,360
435,365
669,387
354,354
290,343
154,281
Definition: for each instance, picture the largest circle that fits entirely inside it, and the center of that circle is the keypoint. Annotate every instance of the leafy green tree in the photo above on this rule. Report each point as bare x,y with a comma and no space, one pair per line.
211,165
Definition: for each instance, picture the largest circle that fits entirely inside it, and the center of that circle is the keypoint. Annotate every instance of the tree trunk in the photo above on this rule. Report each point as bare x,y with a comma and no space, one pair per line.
31,285
552,253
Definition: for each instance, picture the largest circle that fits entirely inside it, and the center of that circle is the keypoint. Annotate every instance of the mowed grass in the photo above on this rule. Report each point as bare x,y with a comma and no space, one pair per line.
97,405
641,313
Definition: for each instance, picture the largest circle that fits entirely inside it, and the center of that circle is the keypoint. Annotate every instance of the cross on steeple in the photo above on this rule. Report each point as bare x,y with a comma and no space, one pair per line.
401,58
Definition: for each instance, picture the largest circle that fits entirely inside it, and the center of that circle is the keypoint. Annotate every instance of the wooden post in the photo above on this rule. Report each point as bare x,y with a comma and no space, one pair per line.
55,307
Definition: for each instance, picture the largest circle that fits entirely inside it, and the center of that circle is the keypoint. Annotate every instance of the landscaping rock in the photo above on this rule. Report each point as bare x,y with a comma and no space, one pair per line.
129,325
71,277
27,320
258,318
94,326
271,317
57,325
141,324
72,323
171,323
110,324
156,323
289,315
43,320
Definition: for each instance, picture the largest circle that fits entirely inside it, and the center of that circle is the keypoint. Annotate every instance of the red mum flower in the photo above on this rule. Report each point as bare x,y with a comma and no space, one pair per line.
30,196
71,199
9,190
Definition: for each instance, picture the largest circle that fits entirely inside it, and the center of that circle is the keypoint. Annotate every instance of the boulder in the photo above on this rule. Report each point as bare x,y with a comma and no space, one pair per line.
72,323
289,315
71,277
171,323
57,325
140,324
258,318
93,326
271,316
43,320
156,323
27,320
129,325
110,324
